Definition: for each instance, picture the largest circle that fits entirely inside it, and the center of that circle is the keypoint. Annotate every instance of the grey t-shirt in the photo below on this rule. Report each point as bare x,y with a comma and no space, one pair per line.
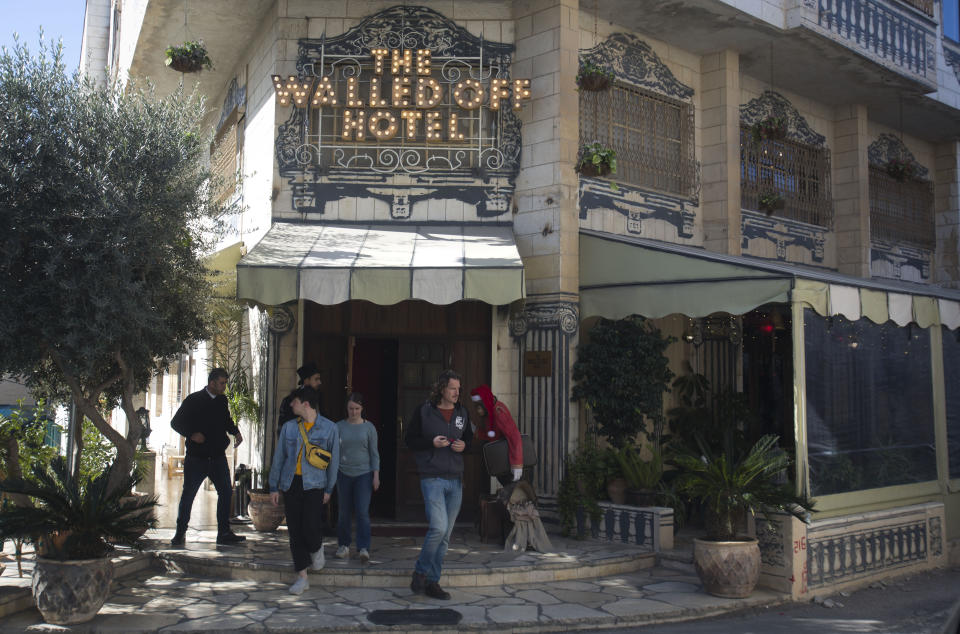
358,448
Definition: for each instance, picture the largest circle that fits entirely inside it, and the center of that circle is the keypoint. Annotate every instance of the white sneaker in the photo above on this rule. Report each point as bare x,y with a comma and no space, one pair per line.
343,552
364,555
318,560
299,586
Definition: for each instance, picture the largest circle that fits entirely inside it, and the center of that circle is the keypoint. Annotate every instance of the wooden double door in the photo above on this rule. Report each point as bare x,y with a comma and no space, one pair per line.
395,371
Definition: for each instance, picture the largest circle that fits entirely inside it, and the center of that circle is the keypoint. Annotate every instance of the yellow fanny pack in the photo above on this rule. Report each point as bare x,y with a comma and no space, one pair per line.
316,456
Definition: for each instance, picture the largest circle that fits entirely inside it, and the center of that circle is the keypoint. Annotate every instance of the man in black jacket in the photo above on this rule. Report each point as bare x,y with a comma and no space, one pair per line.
438,434
204,419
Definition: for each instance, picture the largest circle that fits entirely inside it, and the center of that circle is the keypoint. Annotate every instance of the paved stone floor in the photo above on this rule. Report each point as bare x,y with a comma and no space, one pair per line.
162,600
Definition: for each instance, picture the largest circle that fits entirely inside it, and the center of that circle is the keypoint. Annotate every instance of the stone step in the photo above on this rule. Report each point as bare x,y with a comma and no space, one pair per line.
679,559
522,569
16,593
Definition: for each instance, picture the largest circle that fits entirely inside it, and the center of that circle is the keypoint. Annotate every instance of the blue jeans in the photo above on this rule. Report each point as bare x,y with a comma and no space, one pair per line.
442,499
353,494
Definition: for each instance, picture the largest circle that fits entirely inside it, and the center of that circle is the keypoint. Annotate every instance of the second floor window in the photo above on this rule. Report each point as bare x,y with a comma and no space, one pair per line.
901,211
651,134
950,18
796,173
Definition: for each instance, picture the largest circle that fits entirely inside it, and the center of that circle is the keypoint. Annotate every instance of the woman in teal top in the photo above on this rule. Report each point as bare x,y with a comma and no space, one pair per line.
359,477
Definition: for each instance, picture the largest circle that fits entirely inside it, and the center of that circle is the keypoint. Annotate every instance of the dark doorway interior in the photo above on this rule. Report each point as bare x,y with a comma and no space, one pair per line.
375,376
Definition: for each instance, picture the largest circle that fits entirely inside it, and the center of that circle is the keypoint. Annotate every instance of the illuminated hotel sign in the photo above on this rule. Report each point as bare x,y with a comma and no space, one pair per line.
405,107
401,98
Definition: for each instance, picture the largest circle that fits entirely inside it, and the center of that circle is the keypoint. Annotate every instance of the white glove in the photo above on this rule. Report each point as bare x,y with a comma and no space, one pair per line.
517,474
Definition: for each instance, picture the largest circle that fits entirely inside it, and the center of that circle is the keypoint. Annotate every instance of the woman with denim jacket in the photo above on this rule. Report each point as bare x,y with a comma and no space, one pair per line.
305,488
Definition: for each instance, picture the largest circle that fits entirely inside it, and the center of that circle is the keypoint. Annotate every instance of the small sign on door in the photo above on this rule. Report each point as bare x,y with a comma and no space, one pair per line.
538,363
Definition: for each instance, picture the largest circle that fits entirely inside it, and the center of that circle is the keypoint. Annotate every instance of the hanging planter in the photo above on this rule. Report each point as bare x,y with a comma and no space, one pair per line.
900,169
596,160
771,201
593,78
772,128
189,57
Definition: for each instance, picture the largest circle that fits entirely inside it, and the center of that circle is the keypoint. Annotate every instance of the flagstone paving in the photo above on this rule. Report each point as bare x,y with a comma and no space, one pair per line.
162,599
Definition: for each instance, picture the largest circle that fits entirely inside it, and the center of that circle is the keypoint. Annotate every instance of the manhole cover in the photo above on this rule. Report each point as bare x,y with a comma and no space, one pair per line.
437,616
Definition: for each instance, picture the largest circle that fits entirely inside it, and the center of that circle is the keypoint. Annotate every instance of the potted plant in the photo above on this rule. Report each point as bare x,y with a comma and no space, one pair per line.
731,483
595,159
70,524
584,472
771,200
592,77
642,476
616,483
773,128
901,169
189,57
266,516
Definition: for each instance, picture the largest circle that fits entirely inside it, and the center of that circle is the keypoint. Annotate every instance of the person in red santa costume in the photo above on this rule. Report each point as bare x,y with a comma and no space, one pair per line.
499,423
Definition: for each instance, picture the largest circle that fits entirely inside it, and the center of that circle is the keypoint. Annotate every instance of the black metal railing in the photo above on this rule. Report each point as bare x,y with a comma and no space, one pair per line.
879,29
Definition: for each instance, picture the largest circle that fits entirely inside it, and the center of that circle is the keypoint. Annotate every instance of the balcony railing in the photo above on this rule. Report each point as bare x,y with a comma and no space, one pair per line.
878,30
921,5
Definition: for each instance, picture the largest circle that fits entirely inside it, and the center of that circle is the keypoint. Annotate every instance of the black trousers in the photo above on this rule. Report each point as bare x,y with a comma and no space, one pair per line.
304,510
195,471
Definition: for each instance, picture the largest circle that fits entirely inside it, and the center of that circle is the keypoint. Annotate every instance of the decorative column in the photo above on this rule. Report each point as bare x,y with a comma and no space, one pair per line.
546,226
545,333
280,323
851,190
720,134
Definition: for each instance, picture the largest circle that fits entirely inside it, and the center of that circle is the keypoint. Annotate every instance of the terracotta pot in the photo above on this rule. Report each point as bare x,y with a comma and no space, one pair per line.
727,569
641,497
68,592
185,65
594,82
265,516
591,170
617,490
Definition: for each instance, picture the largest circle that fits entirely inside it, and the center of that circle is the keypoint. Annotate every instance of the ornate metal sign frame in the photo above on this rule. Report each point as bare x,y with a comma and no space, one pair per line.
479,169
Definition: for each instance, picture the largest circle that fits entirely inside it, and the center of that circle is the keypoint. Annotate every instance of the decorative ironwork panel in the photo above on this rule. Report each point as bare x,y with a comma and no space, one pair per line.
406,106
840,557
881,31
651,134
799,173
901,211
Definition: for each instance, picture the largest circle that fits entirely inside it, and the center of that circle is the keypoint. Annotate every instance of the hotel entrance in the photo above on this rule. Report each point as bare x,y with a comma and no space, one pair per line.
392,355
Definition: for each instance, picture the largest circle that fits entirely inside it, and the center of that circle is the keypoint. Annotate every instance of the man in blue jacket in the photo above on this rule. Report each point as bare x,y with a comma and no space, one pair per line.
438,434
204,419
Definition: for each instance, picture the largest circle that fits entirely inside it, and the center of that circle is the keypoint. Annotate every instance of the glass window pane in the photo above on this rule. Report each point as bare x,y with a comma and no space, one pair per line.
869,404
951,382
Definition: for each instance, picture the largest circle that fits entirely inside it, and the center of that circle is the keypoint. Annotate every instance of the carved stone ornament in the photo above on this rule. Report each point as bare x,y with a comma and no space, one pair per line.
281,321
890,146
564,316
773,104
634,62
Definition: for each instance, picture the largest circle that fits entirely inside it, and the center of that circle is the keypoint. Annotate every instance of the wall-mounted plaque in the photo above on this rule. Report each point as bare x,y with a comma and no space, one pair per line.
537,363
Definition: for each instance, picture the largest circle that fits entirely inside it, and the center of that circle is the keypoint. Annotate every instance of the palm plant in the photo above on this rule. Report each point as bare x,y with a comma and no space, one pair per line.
73,518
639,473
730,483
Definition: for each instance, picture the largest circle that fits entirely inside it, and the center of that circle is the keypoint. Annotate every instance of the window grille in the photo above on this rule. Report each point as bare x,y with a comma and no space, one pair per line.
901,211
224,159
651,134
799,173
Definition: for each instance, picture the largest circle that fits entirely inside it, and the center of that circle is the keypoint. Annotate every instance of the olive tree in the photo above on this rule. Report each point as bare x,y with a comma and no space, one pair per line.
104,205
